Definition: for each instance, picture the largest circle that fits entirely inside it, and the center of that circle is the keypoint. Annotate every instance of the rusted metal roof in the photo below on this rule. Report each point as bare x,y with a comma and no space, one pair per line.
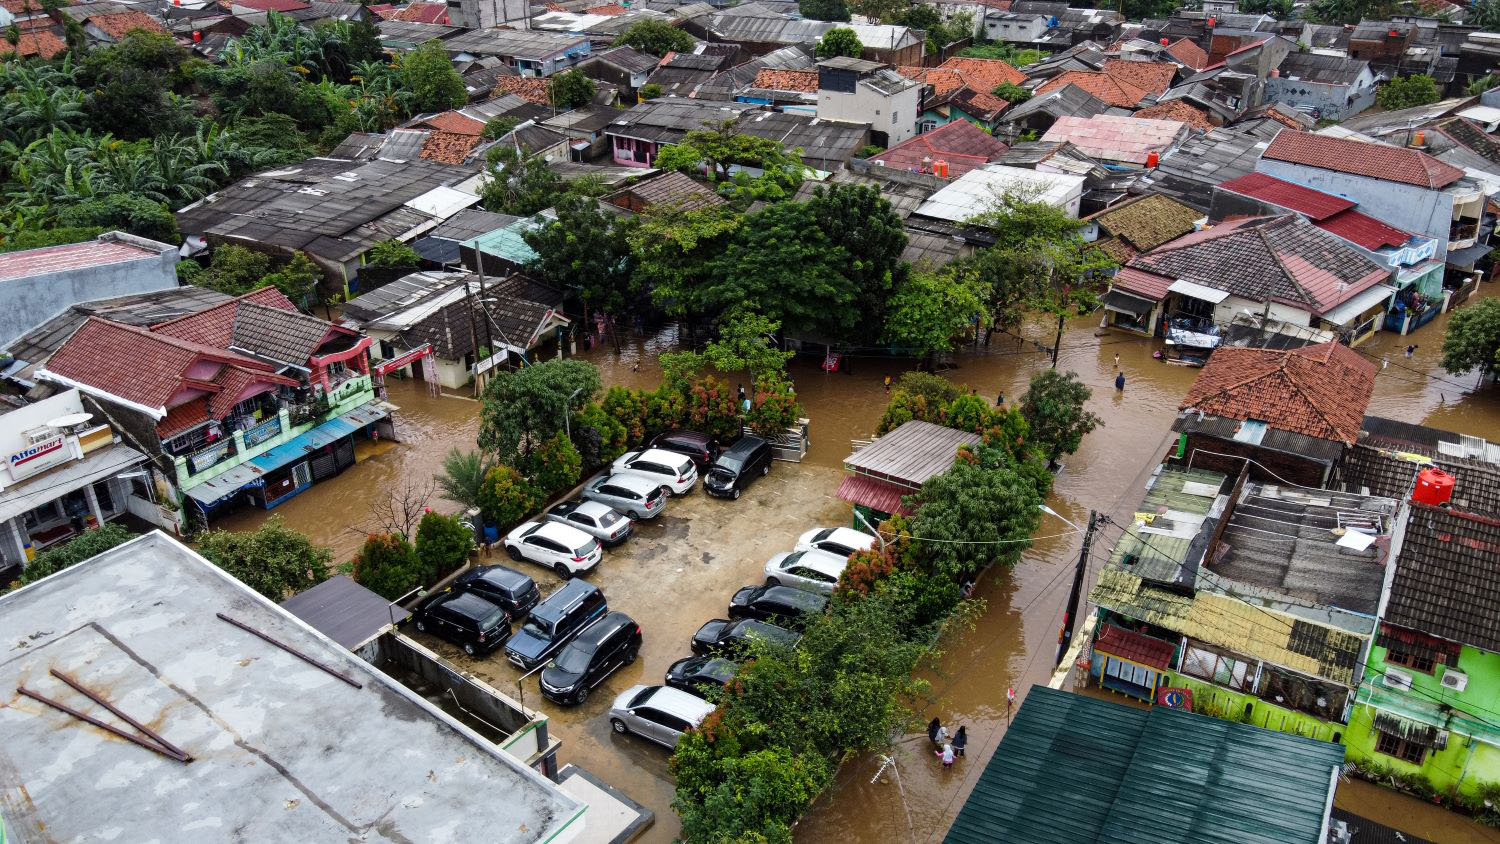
911,454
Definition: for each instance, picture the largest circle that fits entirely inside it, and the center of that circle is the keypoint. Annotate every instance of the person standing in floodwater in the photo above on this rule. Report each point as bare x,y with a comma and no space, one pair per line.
1120,382
887,385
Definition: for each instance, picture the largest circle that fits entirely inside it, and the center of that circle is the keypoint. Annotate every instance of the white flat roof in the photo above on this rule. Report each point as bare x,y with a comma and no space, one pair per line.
1197,291
1358,304
980,189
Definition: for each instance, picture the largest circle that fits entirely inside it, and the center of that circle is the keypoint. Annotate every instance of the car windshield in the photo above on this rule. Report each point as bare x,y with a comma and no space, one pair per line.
494,619
540,628
575,658
644,693
733,464
610,518
587,548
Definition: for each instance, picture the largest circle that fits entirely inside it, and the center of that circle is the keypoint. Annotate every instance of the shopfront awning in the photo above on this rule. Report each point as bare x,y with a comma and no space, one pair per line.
1358,304
875,494
1197,291
1464,259
77,474
1125,303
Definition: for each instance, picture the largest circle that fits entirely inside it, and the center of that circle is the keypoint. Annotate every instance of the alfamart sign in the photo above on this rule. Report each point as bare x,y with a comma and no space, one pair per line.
43,455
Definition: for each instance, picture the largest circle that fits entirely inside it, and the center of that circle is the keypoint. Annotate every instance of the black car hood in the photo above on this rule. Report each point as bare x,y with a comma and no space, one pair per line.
743,596
711,631
560,679
527,646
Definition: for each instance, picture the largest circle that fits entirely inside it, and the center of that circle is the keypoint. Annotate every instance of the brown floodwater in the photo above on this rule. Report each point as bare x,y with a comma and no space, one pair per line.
1013,644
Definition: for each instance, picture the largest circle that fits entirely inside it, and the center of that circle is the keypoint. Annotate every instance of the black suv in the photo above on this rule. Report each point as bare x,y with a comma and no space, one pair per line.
732,638
701,447
554,621
697,674
606,645
514,591
782,605
741,463
467,620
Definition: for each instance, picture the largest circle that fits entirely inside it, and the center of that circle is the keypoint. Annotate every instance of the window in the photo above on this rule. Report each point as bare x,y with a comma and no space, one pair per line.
1400,748
1201,662
1400,653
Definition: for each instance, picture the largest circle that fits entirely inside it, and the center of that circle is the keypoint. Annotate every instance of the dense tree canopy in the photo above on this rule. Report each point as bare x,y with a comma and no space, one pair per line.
654,36
1408,92
586,251
523,408
1053,408
840,41
823,10
1472,340
274,560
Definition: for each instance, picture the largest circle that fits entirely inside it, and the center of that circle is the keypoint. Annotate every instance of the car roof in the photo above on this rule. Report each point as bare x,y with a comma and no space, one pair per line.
846,536
744,445
553,606
634,483
592,508
601,629
794,597
471,605
671,457
677,702
750,625
562,533
500,575
563,507
683,435
825,562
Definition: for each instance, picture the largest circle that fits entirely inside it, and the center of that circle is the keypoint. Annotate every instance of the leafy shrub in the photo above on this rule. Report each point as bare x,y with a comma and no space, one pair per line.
274,560
443,544
90,543
388,565
506,497
558,465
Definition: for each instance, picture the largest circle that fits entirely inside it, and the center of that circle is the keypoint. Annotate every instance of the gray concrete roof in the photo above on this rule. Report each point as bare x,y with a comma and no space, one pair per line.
281,751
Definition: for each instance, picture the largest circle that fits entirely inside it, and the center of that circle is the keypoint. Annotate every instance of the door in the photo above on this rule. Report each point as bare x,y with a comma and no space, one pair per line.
301,475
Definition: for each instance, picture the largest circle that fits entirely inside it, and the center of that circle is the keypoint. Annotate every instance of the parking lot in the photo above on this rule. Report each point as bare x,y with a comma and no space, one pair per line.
675,573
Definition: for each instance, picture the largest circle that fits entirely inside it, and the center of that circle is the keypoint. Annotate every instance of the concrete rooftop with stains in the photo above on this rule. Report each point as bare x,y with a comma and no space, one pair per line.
280,749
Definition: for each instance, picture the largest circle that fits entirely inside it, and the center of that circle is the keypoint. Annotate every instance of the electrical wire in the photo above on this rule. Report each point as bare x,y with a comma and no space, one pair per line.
935,540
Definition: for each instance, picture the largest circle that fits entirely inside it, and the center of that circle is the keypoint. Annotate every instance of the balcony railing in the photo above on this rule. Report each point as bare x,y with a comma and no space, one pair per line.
1463,231
258,434
210,456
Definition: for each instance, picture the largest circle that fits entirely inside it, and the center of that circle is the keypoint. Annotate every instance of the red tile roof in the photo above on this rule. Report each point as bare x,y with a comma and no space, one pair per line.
384,11
962,144
1319,391
448,147
214,327
1375,161
977,104
72,256
984,74
1364,230
267,5
1149,285
23,7
877,495
189,414
1155,77
1189,53
1104,87
1180,111
1313,204
34,43
423,13
528,88
452,121
610,10
1134,647
234,382
805,81
118,24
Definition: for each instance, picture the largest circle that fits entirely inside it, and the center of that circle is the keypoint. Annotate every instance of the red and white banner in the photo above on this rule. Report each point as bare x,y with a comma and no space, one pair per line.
386,366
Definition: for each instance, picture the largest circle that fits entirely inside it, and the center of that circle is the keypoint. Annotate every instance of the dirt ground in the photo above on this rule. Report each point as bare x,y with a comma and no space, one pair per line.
675,573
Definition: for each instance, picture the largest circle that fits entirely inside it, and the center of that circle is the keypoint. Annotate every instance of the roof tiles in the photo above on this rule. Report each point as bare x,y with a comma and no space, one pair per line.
1375,161
1445,582
448,147
1180,111
1318,391
1128,139
72,256
1314,204
34,43
528,88
1188,53
117,25
452,121
962,144
984,74
423,13
805,81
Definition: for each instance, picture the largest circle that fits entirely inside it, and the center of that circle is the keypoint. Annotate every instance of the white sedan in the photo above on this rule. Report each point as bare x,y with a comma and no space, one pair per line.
675,472
841,540
811,571
566,550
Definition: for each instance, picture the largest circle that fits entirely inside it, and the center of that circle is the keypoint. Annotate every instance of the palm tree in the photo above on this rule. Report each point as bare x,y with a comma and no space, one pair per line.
462,476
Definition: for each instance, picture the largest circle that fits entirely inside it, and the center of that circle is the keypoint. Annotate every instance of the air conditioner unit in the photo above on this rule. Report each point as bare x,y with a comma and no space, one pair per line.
1455,681
1397,679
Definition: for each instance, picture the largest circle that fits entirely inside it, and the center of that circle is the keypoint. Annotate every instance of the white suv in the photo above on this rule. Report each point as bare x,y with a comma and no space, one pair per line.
840,540
675,472
566,550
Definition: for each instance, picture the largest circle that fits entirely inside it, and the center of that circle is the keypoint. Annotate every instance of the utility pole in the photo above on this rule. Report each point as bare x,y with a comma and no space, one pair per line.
473,334
484,299
1070,612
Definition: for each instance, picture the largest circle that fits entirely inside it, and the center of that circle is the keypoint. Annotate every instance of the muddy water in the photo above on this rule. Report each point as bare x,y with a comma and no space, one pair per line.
1013,645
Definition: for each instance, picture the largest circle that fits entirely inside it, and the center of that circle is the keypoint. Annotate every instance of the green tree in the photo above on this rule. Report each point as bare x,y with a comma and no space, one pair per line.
782,265
973,515
862,222
823,10
1483,83
462,477
1485,14
388,565
443,544
37,238
506,498
598,437
930,311
521,409
1011,93
628,408
758,797
274,560
234,270
721,145
518,185
1278,9
651,91
655,36
499,127
428,75
296,279
558,465
1472,339
1408,92
571,89
392,254
586,251
135,215
90,543
675,249
840,41
745,344
1053,407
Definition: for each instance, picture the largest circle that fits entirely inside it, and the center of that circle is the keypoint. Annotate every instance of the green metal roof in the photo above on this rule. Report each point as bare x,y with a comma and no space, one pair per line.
508,242
1181,500
1076,769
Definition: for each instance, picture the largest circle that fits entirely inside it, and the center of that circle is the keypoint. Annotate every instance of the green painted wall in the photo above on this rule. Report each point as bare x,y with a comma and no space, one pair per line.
1209,699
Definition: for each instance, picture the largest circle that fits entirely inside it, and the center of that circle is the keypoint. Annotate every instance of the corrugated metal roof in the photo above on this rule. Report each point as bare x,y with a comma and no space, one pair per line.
344,611
911,454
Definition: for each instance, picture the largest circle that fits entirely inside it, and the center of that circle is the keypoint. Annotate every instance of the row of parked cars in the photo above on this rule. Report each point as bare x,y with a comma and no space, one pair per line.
797,589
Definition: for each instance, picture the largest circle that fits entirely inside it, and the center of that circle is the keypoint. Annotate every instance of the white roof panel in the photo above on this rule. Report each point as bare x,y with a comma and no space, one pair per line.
1198,291
442,202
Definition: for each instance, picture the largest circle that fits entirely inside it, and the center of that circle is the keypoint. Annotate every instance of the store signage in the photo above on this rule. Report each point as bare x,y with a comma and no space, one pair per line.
28,461
410,357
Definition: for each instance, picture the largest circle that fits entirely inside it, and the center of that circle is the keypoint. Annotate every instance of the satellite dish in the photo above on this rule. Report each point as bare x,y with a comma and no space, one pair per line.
70,420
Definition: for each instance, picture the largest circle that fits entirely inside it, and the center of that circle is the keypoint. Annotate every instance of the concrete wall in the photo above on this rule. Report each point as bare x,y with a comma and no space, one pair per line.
895,116
1415,209
29,301
1332,101
1226,310
476,14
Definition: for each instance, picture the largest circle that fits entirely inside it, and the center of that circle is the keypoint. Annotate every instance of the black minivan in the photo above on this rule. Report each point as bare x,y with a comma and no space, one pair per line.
741,463
466,620
514,591
610,643
554,621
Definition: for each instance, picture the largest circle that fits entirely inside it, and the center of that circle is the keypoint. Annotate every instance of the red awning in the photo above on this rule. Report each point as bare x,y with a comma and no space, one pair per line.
877,495
1134,647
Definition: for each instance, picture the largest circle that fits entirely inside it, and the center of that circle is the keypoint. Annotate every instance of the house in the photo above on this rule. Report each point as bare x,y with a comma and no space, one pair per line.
759,33
978,190
637,134
1190,174
863,91
738,82
782,90
441,246
896,464
623,66
1132,142
1120,82
531,53
1416,275
112,27
1390,454
584,130
677,190
679,74
35,284
1037,114
454,318
349,748
825,144
402,36
1015,28
248,400
1138,225
1282,267
1295,412
1404,187
1079,769
1423,709
948,151
65,472
962,88
1326,87
1255,602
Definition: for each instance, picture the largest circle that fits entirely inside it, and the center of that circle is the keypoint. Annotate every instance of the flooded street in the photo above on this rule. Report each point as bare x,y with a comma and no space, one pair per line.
1012,645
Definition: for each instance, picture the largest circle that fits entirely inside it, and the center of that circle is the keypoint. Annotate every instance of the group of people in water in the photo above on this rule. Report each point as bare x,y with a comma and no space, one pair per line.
947,748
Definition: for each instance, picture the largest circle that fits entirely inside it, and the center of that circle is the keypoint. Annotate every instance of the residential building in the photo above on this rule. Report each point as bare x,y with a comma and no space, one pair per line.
677,190
1282,267
896,464
441,246
1037,114
531,53
1295,412
1014,28
483,14
1182,111
1390,453
1191,174
1326,87
679,74
403,36
1139,225
624,66
65,472
36,284
247,401
948,151
977,191
962,89
637,134
856,90
112,26
1079,769
236,713
1119,82
1123,142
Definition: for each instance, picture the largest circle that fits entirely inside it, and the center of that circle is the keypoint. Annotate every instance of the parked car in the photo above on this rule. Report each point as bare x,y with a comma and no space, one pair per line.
567,551
594,518
673,472
749,458
633,495
605,645
465,619
658,713
701,447
512,590
732,638
783,605
697,674
555,621
813,571
840,540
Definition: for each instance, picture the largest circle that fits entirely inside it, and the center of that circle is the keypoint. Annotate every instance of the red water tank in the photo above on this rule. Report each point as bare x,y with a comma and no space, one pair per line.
1166,42
1434,486
1153,158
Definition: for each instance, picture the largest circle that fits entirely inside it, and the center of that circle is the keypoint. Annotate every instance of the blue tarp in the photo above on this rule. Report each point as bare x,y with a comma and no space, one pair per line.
331,431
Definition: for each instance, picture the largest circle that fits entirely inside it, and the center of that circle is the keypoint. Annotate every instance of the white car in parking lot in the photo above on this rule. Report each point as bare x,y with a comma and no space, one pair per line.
673,471
811,570
659,713
840,540
567,551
